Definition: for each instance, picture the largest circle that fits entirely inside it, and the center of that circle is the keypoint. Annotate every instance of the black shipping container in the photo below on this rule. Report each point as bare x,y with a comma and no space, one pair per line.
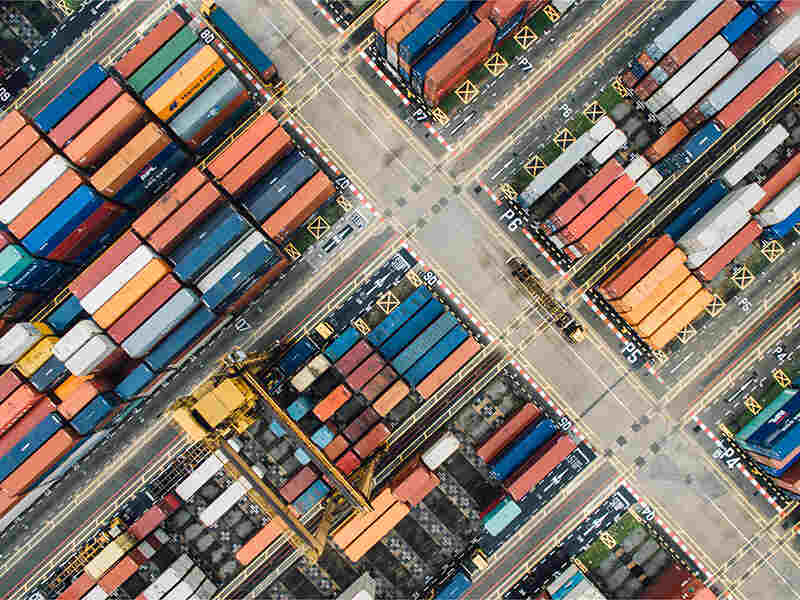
325,383
309,423
163,558
134,585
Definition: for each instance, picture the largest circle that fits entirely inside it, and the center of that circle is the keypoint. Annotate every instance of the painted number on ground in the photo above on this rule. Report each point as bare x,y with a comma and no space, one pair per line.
207,36
727,455
430,278
632,352
514,222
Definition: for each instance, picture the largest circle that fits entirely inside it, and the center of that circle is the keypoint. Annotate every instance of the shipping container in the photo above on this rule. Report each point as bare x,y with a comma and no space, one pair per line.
173,230
260,541
279,185
424,342
448,368
233,154
373,534
323,436
34,186
36,356
76,337
26,443
440,451
751,95
149,44
337,446
171,50
297,356
168,578
135,382
687,313
754,155
98,353
518,452
664,287
729,251
45,203
676,298
239,277
347,462
17,405
781,206
647,284
539,465
119,574
501,516
58,108
344,535
11,124
200,476
170,202
596,210
311,497
258,162
17,146
9,381
171,70
402,313
95,273
413,483
585,195
390,398
116,278
309,374
20,172
679,28
632,269
374,438
420,69
95,415
257,288
389,14
144,308
777,181
378,384
85,112
411,329
242,44
156,328
180,339
361,424
331,403
405,25
19,339
436,355
354,357
711,195
510,430
298,484
299,207
429,32
225,501
343,342
455,587
26,273
765,415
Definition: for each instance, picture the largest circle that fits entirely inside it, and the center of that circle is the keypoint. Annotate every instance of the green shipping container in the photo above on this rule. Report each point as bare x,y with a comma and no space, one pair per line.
766,414
166,55
13,262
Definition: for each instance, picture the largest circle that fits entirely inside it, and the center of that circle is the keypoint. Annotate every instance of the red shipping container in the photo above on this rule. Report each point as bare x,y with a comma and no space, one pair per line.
77,588
41,461
790,480
592,239
172,200
258,163
338,445
412,476
353,357
348,462
107,262
699,36
299,207
149,44
640,262
497,442
82,394
144,308
258,287
147,523
332,402
629,79
298,484
366,371
536,468
389,14
779,179
44,204
745,44
12,123
376,436
172,231
243,145
6,239
21,306
43,407
729,250
604,203
119,573
26,165
85,112
13,408
418,494
170,503
361,424
85,234
9,381
491,506
646,87
18,146
585,194
377,384
692,118
751,95
157,539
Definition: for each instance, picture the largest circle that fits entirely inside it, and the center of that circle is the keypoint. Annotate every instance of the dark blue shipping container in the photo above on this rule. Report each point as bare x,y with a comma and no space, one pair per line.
50,375
764,6
224,129
399,315
299,408
308,499
411,329
180,338
782,229
433,357
30,444
699,142
194,256
159,174
257,262
106,238
77,91
739,24
638,70
503,32
696,210
62,221
380,45
241,42
41,275
66,315
279,185
419,70
172,69
414,351
94,412
297,356
135,382
339,347
777,472
764,439
522,448
455,587
430,31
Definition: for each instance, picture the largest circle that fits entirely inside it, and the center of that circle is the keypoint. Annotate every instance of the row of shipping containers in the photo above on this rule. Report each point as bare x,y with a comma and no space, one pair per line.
430,46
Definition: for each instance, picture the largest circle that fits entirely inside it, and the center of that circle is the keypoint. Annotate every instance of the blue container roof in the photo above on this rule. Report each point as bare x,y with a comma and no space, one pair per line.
416,40
443,47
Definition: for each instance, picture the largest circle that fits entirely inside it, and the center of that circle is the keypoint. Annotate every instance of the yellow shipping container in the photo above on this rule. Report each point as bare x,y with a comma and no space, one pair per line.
108,557
685,315
189,80
129,294
668,306
36,356
649,282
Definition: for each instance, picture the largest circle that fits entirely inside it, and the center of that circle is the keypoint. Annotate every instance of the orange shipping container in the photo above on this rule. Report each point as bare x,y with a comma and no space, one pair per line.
119,574
130,293
299,207
332,402
335,449
157,37
107,133
629,272
667,142
376,531
448,368
389,14
243,145
170,233
259,542
39,462
28,163
37,210
685,315
668,307
80,396
7,503
598,234
391,397
10,125
702,34
72,383
77,588
131,159
258,287
669,283
631,203
779,180
258,163
167,204
406,24
351,529
17,146
189,80
13,408
649,282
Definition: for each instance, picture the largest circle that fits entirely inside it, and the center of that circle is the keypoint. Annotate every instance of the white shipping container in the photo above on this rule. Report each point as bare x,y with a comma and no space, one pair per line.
553,172
725,216
114,281
650,180
716,238
96,593
75,338
17,341
169,578
206,591
37,183
609,146
319,364
562,5
441,450
160,323
751,157
303,379
234,257
225,501
91,355
187,585
747,70
781,206
637,167
161,535
682,25
785,35
145,549
601,129
199,477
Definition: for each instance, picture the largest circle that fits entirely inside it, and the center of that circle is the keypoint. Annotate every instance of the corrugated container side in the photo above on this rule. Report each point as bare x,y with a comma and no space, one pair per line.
344,535
539,465
9,381
17,146
667,142
405,25
374,438
399,316
497,442
448,368
391,398
103,266
298,484
163,56
640,262
10,125
667,307
233,154
85,112
778,181
596,210
144,308
649,282
258,163
174,229
23,399
37,210
156,38
700,35
373,534
48,454
389,13
23,168
167,204
78,588
729,251
260,541
299,207
411,329
586,194
361,424
661,291
80,87
378,384
685,315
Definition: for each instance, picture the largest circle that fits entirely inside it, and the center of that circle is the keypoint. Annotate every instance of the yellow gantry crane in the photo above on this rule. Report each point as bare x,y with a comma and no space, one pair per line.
227,405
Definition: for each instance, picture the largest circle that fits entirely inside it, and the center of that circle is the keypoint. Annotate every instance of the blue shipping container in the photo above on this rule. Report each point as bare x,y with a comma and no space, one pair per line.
399,315
764,6
567,587
782,229
777,472
106,238
50,375
436,355
135,382
522,448
66,315
699,142
424,342
158,175
696,210
172,69
508,28
411,329
299,408
277,429
63,104
29,444
771,433
302,457
456,587
180,338
322,437
297,356
739,24
308,499
430,31
93,413
419,70
766,414
638,70
241,42
62,221
501,516
339,347
257,262
33,275
279,185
